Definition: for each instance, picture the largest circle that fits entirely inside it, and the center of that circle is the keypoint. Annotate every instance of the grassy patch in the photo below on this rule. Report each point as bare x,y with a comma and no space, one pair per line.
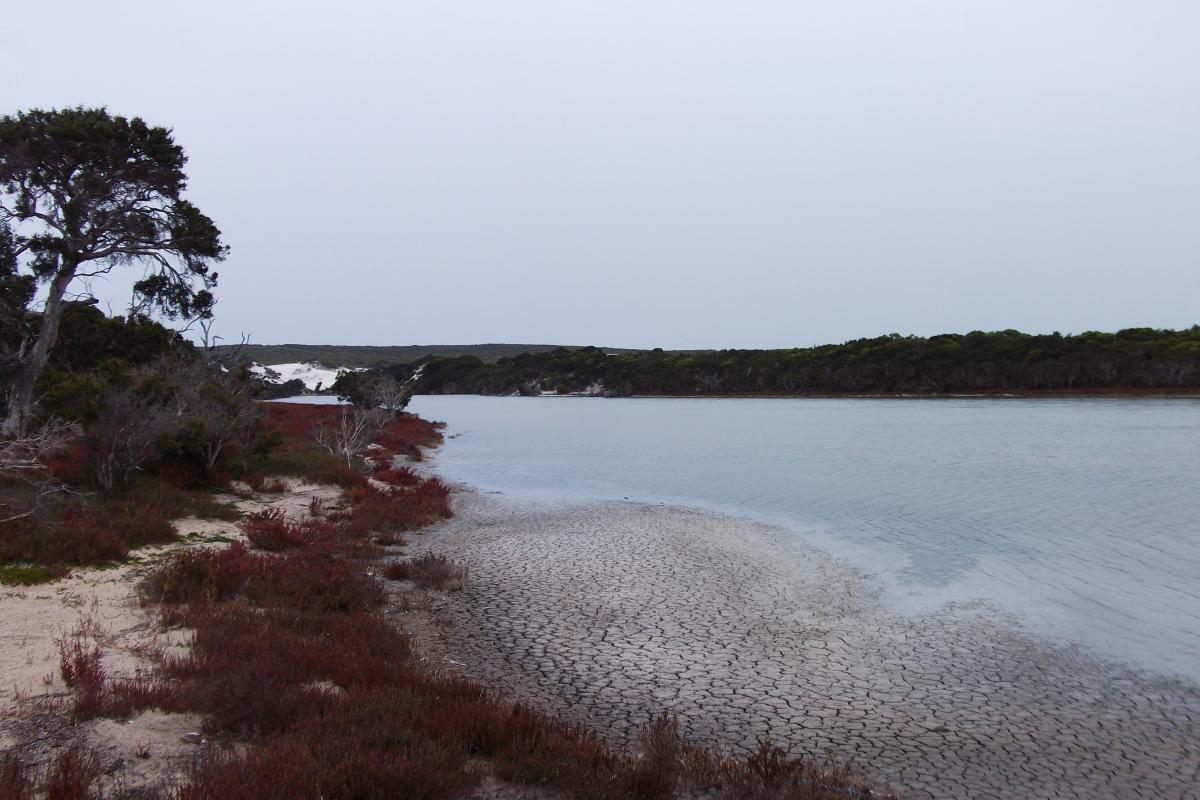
29,574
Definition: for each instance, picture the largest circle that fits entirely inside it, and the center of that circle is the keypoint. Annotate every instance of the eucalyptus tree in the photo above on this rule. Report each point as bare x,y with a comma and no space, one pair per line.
83,192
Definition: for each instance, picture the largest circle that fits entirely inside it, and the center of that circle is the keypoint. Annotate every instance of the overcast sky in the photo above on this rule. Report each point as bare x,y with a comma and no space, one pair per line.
679,174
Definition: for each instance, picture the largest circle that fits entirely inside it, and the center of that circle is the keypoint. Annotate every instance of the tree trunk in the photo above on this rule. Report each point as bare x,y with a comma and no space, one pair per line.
20,395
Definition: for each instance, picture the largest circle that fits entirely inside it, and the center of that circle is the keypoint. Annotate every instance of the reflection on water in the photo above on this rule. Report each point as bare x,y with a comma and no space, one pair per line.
1080,515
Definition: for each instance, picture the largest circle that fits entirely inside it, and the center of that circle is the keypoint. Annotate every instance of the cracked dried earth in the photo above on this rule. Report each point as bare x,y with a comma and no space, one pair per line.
610,613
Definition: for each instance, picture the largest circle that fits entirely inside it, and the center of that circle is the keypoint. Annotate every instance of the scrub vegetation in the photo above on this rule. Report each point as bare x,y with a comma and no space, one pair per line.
113,426
121,445
1001,361
339,355
309,689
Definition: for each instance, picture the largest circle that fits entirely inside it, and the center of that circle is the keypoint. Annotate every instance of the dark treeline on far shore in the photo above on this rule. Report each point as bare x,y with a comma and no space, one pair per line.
1136,358
343,355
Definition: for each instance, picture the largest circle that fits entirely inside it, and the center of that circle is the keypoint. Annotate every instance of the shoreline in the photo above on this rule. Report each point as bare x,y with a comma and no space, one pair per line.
1191,393
609,612
980,394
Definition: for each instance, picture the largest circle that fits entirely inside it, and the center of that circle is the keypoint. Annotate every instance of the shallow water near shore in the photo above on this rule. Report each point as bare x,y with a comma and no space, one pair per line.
1078,516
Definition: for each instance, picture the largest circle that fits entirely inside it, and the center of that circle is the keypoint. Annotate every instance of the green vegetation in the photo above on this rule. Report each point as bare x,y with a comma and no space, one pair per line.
336,355
1003,361
111,425
27,574
82,193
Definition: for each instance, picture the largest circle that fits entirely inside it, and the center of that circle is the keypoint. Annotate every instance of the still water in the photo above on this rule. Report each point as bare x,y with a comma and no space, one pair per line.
1080,516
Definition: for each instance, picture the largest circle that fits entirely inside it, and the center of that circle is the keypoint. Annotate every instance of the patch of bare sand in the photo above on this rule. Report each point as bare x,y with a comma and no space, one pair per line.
33,619
151,750
105,602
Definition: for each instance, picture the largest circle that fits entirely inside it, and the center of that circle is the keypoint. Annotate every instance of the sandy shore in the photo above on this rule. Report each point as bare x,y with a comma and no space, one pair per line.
610,612
153,748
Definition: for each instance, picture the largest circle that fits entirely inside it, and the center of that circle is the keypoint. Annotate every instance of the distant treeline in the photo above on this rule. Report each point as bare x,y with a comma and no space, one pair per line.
1136,358
337,355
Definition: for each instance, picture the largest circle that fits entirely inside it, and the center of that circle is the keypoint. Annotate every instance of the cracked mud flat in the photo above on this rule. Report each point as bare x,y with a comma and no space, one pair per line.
609,613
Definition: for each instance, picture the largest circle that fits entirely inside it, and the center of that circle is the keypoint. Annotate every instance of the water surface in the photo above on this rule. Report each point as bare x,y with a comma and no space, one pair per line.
1080,516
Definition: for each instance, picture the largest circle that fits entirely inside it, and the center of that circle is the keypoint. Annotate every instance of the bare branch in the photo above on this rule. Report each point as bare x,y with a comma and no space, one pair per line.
356,429
23,458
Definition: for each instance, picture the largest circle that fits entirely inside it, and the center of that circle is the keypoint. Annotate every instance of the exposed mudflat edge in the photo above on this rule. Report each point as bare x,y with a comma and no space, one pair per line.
610,612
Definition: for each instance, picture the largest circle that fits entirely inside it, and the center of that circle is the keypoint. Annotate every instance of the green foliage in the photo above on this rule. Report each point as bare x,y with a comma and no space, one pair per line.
16,293
106,189
87,338
27,574
83,192
974,362
373,390
373,356
71,395
276,391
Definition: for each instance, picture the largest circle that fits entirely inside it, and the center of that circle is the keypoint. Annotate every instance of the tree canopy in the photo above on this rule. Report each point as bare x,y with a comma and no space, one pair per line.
83,192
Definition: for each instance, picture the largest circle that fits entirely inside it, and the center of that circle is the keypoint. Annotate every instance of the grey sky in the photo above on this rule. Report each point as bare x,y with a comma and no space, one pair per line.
683,174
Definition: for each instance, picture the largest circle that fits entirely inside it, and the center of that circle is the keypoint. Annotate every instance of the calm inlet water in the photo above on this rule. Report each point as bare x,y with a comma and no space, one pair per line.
1080,516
